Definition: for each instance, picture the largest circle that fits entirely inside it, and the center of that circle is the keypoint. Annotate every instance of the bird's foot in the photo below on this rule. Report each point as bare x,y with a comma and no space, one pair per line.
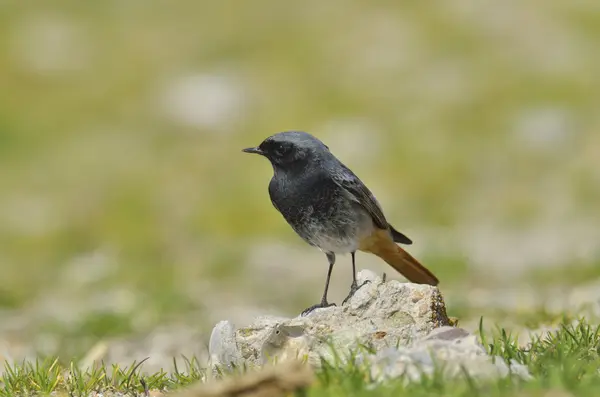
321,305
353,288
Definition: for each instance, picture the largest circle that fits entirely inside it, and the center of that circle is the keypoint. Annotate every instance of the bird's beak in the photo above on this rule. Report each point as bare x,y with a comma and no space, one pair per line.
254,150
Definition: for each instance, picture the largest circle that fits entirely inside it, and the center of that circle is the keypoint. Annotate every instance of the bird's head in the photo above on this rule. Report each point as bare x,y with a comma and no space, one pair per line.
290,149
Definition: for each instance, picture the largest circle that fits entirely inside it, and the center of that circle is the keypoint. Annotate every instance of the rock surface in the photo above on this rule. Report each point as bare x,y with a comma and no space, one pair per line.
381,314
454,351
404,326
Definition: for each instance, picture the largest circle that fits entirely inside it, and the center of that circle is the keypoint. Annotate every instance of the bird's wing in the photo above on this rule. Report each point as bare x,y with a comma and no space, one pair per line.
358,192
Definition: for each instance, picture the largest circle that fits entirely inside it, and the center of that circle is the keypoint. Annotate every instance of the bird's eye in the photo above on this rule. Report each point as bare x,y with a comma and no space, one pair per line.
280,150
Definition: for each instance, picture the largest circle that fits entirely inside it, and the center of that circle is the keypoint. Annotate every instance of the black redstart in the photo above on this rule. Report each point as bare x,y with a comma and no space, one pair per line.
330,208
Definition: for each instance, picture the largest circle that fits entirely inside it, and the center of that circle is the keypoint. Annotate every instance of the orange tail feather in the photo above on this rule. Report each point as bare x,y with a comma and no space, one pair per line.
382,245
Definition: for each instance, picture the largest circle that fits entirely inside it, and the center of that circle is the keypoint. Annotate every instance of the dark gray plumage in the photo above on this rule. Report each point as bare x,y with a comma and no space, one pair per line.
325,203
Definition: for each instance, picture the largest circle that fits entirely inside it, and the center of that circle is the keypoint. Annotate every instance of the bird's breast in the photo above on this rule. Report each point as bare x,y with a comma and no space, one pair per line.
321,213
302,197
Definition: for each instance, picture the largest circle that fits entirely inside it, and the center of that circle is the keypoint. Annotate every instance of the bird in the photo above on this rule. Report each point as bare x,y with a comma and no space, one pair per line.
331,209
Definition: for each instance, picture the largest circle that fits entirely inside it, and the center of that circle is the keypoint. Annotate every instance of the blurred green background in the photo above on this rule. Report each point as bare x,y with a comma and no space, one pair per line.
126,202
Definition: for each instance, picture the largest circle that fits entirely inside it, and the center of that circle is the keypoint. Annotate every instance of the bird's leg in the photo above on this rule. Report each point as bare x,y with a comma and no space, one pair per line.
354,286
324,303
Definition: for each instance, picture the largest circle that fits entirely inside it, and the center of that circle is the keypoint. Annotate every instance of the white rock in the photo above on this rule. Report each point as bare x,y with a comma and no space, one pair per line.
453,350
378,315
222,342
395,329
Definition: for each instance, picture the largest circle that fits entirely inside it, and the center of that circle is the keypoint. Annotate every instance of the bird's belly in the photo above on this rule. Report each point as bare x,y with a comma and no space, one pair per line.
338,245
322,214
339,231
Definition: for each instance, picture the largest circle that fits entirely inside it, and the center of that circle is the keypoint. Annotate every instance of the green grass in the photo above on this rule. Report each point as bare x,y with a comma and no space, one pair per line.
47,376
566,360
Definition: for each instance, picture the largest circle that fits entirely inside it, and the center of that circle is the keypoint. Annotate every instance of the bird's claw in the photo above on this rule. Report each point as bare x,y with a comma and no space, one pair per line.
321,305
353,288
